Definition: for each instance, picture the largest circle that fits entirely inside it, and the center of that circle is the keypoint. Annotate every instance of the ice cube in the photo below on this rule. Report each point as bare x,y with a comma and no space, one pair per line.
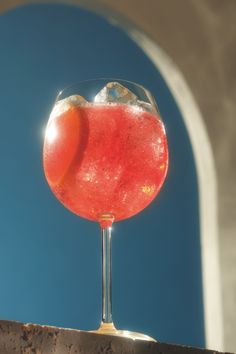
64,105
76,100
145,106
116,93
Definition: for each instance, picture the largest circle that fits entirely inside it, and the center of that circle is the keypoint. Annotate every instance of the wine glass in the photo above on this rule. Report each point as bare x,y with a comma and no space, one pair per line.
105,158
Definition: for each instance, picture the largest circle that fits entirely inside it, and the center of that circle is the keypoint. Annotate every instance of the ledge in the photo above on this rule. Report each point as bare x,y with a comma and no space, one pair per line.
19,338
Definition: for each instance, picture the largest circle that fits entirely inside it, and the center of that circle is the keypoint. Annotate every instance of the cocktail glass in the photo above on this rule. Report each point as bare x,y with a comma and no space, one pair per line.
105,158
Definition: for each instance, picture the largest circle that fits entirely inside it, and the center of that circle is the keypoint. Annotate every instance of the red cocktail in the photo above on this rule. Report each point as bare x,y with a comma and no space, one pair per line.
106,160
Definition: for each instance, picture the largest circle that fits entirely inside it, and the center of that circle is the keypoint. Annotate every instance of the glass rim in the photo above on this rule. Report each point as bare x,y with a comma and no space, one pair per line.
109,79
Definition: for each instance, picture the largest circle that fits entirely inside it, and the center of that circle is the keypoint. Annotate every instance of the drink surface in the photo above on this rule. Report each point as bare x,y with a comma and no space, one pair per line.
105,159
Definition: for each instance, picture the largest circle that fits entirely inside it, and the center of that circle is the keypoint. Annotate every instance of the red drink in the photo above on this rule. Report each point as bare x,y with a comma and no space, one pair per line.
105,159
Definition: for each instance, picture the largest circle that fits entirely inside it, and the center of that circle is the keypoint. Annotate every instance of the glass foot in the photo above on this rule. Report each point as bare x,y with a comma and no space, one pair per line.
109,329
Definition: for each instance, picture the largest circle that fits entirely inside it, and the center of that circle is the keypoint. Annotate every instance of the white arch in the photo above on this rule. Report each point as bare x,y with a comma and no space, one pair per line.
203,158
206,175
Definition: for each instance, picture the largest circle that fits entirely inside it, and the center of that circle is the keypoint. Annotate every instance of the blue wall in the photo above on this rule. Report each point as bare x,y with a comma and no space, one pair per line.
49,258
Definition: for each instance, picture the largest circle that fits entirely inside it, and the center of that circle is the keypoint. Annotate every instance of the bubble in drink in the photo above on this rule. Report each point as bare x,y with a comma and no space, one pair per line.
105,159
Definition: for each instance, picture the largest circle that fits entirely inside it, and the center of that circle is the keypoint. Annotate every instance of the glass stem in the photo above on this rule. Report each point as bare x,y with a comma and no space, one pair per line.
106,276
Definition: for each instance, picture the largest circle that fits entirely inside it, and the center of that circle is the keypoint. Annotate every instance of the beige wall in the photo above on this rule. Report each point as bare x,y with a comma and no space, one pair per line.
200,37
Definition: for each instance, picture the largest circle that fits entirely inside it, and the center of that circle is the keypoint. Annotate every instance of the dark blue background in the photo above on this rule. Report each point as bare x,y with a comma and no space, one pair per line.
49,258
